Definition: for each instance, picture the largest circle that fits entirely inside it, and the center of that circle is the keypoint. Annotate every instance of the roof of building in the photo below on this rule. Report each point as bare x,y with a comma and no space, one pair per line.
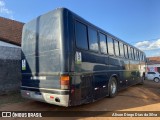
10,31
153,60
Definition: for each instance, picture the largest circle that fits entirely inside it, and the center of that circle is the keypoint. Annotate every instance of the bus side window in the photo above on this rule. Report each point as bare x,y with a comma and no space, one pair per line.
141,56
135,54
110,45
81,35
121,49
116,47
125,51
132,53
129,52
103,45
144,58
93,39
138,55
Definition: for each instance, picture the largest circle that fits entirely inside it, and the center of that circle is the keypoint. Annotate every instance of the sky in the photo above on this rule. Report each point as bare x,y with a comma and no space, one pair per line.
135,21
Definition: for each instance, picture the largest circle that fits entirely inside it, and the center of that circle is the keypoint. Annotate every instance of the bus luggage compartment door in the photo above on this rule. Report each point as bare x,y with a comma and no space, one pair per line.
100,86
86,88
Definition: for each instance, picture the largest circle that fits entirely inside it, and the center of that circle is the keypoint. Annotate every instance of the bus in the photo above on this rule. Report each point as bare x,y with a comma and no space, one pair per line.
68,61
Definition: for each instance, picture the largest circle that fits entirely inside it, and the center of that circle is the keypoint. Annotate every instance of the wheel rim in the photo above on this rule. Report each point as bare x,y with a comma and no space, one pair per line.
156,80
113,87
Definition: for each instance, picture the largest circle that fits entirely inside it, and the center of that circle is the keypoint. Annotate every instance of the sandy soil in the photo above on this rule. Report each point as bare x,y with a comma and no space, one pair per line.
136,98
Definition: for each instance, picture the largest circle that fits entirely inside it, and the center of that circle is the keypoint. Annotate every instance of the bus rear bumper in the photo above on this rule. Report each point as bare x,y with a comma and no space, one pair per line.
56,99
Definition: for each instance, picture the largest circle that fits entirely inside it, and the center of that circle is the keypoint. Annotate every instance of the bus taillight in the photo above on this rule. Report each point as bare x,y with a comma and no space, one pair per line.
64,82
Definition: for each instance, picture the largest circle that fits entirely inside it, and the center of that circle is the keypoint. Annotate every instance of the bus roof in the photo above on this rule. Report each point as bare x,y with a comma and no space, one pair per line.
62,9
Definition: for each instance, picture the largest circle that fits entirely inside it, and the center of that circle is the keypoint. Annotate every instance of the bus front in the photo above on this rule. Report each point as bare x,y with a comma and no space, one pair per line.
42,78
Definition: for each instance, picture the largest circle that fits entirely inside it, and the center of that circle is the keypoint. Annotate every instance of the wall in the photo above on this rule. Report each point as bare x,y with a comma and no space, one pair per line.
8,44
11,31
154,65
10,72
10,54
153,68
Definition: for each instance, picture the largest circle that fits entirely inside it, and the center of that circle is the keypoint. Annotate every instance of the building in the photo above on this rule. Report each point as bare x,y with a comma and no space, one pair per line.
153,64
10,54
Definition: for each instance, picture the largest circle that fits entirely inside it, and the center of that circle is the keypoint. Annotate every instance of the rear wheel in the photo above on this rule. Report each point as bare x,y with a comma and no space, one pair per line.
156,80
112,87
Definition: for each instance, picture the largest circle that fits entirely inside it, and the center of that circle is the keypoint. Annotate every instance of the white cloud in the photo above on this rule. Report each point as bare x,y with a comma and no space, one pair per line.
94,46
148,45
103,46
4,10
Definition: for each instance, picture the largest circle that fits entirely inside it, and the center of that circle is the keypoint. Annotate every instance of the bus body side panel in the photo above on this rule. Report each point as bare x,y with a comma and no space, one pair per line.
118,67
90,77
135,72
66,43
86,76
142,69
90,80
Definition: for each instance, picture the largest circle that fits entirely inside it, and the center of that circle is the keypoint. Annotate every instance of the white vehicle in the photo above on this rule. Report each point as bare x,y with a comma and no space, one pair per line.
153,76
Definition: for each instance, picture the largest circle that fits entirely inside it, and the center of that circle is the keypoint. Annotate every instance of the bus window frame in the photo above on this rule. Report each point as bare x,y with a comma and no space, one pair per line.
125,47
113,45
118,48
98,51
76,37
121,46
132,53
138,55
99,32
132,49
129,52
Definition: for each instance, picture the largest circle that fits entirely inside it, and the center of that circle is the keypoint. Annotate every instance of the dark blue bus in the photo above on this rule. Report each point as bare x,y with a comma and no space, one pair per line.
68,61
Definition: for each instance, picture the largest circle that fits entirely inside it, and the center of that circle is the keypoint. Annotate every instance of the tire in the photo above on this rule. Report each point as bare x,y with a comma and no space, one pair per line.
112,87
156,80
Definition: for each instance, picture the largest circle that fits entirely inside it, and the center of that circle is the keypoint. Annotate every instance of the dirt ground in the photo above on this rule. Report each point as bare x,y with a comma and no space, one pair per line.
136,98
